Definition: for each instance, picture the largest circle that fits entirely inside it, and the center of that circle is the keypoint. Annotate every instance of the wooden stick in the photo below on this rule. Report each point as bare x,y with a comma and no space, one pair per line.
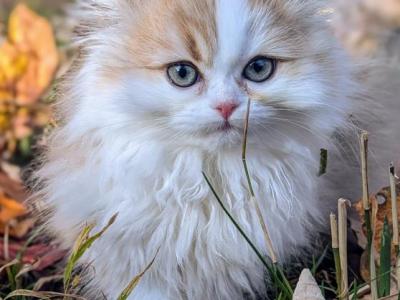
336,254
364,169
342,230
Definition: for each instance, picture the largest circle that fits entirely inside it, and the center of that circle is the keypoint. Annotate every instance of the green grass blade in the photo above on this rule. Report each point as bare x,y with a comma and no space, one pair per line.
355,291
8,265
338,270
385,261
317,264
276,273
238,227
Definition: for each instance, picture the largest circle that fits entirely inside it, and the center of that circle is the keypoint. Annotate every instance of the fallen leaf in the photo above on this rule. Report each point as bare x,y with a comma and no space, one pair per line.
20,228
12,188
10,209
41,255
12,171
383,206
13,212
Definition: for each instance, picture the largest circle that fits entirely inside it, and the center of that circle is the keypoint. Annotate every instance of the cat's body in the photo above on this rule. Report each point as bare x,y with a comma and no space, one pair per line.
132,142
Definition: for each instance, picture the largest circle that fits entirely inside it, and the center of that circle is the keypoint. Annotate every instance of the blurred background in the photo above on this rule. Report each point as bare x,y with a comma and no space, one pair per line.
36,50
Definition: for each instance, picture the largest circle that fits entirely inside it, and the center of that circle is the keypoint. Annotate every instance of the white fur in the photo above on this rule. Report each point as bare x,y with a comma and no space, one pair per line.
132,160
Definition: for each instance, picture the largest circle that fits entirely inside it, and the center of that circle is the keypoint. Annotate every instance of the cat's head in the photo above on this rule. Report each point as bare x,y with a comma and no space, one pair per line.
183,71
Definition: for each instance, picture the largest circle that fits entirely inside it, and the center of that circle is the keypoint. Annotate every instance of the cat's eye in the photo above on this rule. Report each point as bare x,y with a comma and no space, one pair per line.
259,69
182,74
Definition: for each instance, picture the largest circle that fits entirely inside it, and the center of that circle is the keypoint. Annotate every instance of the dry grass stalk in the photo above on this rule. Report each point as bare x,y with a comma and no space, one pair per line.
336,254
267,238
364,169
334,232
395,221
342,230
367,211
363,291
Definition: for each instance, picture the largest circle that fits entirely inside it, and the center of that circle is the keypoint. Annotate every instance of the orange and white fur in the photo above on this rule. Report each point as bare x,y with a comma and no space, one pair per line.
159,94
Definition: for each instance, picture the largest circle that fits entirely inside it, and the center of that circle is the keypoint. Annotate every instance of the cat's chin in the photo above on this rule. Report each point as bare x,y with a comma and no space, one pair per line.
220,137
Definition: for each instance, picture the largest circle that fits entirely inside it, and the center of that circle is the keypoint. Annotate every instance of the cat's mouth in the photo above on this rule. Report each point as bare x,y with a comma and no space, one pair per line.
221,130
226,126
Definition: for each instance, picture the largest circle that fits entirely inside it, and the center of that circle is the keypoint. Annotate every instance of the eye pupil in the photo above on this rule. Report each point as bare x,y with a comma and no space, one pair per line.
258,66
182,71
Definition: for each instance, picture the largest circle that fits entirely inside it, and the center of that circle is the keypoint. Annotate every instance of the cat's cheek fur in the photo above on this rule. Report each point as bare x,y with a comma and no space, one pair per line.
128,143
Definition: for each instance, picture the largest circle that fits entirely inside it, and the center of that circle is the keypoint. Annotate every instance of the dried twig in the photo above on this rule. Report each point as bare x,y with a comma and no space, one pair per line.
342,230
364,169
336,254
367,210
267,238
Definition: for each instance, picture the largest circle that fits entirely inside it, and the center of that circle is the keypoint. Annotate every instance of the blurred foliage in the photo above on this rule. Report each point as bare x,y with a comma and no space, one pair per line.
47,8
28,62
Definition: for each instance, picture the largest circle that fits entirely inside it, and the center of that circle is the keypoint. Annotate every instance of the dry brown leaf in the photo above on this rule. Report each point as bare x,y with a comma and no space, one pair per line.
12,171
12,188
42,255
383,209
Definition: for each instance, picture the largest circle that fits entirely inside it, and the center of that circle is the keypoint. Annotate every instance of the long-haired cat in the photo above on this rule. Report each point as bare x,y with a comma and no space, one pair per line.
159,94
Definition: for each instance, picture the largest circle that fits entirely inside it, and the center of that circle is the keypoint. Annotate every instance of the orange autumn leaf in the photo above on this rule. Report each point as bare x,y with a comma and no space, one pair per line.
13,64
10,209
33,35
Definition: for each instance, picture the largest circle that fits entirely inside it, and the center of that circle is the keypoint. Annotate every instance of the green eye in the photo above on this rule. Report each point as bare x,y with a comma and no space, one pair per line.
183,74
259,69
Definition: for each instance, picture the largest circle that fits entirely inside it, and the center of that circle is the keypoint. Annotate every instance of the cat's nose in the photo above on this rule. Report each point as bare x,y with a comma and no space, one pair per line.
226,109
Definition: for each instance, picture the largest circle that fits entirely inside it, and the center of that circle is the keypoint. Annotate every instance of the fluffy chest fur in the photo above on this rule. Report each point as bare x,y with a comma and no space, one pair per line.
164,204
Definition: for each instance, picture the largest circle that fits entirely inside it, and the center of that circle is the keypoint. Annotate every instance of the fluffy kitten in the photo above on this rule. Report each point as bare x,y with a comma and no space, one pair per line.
159,95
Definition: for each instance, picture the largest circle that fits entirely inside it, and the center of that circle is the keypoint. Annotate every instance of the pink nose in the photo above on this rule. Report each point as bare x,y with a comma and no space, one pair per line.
226,109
